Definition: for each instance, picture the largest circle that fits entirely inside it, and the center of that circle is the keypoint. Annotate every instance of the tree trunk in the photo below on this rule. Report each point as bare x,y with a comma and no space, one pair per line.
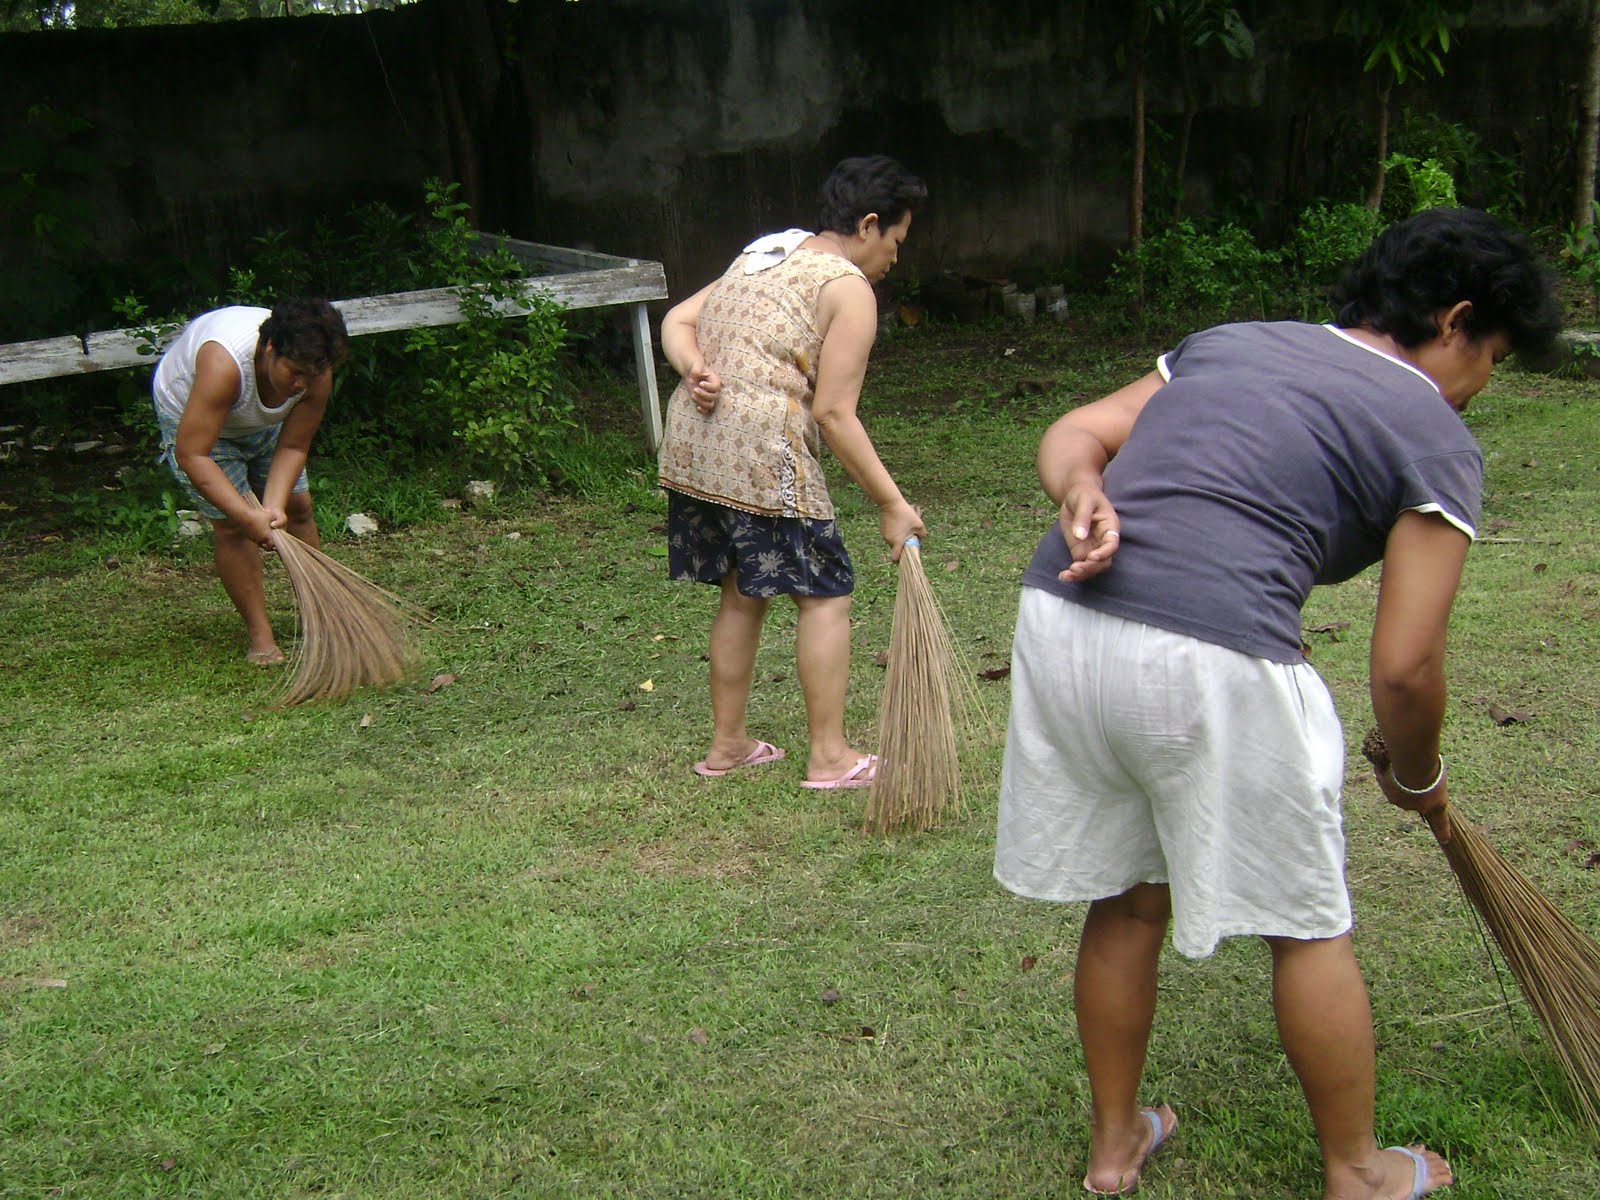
1589,127
1375,195
1141,35
1191,105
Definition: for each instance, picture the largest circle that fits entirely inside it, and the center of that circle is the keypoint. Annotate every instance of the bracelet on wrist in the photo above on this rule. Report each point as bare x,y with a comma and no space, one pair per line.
1432,787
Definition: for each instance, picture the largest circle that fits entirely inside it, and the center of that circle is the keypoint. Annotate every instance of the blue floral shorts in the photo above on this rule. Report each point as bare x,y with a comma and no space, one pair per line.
244,460
774,556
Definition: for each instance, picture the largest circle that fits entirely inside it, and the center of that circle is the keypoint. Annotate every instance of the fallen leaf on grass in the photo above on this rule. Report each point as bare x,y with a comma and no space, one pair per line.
1502,716
953,565
829,996
585,991
1540,568
438,681
1029,962
1592,861
627,706
649,685
366,721
214,1049
698,1036
995,673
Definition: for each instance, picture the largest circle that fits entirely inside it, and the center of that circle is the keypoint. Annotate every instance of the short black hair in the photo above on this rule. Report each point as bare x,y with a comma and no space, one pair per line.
308,331
1432,260
871,184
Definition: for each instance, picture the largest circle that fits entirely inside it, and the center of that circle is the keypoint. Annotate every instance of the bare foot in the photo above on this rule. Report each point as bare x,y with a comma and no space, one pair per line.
270,656
1114,1171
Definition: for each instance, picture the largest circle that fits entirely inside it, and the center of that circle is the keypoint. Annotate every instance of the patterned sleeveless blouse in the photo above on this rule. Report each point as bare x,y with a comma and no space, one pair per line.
758,449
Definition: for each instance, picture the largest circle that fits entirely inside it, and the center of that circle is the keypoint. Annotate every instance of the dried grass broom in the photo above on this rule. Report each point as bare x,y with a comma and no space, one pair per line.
928,698
1556,965
353,633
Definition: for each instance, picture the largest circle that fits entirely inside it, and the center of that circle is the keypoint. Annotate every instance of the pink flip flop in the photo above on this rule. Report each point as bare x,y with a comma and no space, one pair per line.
858,776
764,752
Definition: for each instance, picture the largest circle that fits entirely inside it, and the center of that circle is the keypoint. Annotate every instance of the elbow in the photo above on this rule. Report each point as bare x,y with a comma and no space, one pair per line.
1407,681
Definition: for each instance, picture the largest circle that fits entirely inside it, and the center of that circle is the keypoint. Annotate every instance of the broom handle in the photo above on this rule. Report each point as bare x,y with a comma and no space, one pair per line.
1376,752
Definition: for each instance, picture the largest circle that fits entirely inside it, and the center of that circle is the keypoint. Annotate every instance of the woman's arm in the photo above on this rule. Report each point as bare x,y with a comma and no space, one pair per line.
847,314
680,343
294,444
1422,564
211,397
1072,459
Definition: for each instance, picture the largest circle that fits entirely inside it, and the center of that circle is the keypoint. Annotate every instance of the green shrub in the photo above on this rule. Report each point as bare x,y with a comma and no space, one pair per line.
1193,277
1483,178
1411,185
495,377
1580,254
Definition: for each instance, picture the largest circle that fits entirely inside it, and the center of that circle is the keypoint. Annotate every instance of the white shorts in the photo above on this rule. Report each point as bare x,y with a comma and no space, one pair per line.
1138,755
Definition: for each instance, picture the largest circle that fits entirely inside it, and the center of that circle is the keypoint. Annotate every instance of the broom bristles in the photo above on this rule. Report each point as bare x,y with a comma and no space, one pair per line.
353,633
1556,965
926,697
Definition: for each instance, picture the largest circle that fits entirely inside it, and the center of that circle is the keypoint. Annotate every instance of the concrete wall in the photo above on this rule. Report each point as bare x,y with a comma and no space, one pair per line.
676,129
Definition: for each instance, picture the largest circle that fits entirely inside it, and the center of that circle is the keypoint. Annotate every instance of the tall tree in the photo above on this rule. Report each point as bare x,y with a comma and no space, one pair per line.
1401,38
1589,128
1195,25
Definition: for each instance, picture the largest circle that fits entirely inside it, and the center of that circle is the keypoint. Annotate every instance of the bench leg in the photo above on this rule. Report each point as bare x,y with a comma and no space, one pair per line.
644,362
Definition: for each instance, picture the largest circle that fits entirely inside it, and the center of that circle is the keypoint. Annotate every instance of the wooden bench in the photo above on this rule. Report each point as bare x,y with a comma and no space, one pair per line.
574,278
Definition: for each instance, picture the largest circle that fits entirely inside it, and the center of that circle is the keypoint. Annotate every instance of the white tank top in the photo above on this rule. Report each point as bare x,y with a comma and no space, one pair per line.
236,330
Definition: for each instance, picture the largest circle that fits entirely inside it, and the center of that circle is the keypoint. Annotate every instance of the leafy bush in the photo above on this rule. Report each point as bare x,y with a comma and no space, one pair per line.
1411,185
1196,277
1580,254
495,377
1483,178
1327,238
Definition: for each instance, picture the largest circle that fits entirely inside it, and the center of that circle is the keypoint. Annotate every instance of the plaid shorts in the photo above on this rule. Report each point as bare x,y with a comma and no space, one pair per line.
774,556
244,460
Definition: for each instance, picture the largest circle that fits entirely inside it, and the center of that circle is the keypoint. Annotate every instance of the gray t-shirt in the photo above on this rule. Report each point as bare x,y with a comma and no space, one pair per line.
1276,457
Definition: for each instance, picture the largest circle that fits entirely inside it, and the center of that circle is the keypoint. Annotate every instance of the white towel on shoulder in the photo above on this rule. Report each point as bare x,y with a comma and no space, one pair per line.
770,249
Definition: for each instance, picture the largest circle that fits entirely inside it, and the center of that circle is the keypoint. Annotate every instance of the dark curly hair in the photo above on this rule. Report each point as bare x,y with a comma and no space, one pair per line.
1428,262
873,184
307,331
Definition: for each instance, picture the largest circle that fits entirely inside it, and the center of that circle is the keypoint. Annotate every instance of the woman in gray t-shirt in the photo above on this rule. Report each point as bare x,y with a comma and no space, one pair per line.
1171,756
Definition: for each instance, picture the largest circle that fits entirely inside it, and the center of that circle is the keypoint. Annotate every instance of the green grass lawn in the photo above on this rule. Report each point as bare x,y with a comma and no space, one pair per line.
496,939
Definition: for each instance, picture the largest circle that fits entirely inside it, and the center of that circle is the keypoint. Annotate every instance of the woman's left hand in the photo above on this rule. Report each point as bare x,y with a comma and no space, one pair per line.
897,522
704,386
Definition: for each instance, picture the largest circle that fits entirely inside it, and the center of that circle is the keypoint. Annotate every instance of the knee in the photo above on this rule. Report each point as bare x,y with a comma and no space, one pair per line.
1148,903
298,506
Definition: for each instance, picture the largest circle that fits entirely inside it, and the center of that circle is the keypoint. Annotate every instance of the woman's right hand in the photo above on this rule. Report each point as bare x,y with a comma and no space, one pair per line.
897,522
1091,529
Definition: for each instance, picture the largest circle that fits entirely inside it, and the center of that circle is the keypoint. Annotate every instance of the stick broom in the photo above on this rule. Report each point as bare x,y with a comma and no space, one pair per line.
353,633
918,780
1556,965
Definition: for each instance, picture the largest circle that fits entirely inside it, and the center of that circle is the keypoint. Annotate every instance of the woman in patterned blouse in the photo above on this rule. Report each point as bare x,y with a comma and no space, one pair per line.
772,356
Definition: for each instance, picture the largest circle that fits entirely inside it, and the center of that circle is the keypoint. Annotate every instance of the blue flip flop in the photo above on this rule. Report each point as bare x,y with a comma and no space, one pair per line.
1419,1179
1157,1137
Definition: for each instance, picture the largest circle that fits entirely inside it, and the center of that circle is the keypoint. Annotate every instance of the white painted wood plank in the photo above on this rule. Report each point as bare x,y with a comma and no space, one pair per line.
115,348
